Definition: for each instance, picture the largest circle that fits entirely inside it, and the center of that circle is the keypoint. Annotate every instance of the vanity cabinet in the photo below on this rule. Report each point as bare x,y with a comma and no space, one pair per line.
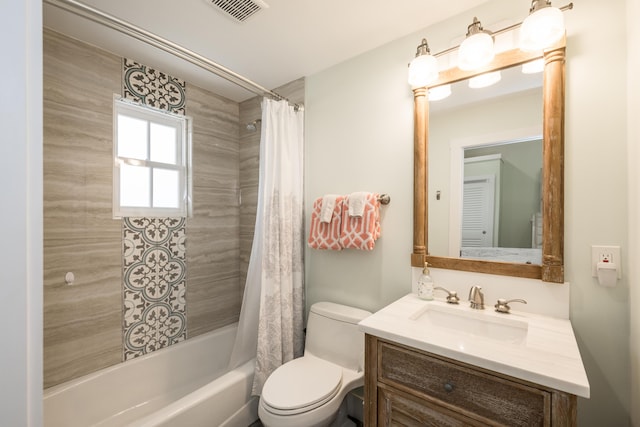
405,386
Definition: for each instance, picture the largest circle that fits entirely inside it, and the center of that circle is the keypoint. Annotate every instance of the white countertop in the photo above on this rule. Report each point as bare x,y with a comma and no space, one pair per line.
548,354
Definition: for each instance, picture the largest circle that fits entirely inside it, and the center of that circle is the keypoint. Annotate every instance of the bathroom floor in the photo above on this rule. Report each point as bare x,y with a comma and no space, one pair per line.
256,424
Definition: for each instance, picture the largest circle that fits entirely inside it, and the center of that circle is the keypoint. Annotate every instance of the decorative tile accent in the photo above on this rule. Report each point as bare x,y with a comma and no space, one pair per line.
153,88
154,267
154,276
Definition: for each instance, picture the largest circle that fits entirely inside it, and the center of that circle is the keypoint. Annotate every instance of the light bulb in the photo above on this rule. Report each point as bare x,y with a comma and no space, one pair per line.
475,51
423,70
541,29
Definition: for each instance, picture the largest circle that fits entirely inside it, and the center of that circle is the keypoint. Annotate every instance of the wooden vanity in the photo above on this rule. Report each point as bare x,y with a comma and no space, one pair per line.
429,363
410,387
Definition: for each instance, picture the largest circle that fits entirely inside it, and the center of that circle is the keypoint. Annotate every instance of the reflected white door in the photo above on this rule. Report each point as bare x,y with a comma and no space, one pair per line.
477,211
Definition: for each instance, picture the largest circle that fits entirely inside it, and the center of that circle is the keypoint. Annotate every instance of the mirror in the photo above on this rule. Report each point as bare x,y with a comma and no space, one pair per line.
488,172
551,266
501,216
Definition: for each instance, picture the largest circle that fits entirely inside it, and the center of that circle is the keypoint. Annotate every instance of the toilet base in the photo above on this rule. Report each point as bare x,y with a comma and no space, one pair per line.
338,418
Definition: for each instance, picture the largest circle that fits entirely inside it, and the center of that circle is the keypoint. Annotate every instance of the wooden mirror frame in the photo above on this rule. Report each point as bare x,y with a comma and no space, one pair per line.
552,268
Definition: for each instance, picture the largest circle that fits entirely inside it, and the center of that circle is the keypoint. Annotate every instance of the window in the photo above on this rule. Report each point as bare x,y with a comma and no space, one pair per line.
151,162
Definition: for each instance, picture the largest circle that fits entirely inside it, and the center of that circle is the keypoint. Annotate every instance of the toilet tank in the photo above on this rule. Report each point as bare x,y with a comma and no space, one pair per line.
333,335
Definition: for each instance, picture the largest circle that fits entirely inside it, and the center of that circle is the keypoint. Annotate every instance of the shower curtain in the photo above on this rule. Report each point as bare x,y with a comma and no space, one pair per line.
273,303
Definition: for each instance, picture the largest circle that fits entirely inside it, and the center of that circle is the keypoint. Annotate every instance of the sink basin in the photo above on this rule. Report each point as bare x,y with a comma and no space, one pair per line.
460,320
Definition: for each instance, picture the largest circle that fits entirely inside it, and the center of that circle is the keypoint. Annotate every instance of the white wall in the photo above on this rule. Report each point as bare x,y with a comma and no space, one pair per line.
358,131
21,214
633,160
359,137
596,203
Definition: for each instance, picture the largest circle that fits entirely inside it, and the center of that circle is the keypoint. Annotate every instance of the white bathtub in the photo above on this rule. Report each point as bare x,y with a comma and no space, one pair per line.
183,385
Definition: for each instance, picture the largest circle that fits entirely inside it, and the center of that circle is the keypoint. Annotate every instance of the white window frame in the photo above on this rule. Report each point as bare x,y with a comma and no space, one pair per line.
183,125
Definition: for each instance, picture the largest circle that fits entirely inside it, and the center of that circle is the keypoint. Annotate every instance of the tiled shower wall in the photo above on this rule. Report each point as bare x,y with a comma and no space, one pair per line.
83,321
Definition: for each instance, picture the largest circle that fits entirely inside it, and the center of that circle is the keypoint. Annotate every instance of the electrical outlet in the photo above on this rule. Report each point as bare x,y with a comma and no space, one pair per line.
605,254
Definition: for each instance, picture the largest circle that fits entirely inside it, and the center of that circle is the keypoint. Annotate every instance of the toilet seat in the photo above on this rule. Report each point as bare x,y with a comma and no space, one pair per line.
301,385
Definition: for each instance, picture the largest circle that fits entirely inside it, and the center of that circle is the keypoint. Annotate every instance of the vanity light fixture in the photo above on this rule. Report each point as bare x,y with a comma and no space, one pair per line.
485,80
439,92
423,69
543,27
477,49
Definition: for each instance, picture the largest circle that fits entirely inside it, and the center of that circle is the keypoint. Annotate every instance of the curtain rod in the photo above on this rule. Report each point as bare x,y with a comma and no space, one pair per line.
154,40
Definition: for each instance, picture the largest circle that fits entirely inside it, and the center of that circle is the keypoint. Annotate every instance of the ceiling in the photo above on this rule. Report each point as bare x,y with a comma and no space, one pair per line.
288,40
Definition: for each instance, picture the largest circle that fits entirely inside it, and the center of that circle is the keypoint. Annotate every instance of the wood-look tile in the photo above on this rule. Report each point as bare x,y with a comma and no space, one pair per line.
94,74
91,352
92,260
212,113
83,321
212,233
75,311
214,166
212,304
219,262
216,202
250,110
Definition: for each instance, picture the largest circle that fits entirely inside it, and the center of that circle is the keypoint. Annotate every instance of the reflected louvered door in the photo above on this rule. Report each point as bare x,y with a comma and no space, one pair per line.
477,212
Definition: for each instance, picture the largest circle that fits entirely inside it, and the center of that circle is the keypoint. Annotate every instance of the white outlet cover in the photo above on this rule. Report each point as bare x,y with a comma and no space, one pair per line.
613,251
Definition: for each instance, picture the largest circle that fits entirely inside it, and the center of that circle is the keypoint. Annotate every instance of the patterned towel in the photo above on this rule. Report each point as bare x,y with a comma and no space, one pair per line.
324,235
361,232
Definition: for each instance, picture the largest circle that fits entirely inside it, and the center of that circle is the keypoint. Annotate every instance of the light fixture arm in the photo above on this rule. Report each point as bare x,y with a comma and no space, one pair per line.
476,28
423,48
540,4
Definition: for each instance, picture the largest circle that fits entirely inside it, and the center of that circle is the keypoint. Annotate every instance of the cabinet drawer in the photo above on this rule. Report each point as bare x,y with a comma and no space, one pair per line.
497,400
396,408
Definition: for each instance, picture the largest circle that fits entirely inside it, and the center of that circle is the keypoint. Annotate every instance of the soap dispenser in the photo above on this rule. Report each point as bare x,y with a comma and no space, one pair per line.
425,284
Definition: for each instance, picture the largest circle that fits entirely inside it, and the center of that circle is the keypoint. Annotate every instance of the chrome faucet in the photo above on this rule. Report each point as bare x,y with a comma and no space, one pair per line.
502,306
452,296
476,298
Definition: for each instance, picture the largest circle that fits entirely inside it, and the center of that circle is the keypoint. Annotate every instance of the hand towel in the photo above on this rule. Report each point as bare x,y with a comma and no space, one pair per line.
357,201
361,232
324,235
328,205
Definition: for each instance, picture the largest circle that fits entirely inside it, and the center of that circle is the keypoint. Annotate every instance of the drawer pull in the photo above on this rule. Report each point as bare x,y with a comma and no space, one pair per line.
448,387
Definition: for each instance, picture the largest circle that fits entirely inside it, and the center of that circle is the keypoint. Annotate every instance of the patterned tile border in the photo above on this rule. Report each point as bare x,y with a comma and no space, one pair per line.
154,279
153,88
154,266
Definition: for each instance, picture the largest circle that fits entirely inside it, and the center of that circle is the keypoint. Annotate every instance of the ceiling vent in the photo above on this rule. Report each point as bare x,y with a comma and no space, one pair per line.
240,10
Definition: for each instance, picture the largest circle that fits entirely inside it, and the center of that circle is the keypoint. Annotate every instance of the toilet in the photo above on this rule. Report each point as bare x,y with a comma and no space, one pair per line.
309,391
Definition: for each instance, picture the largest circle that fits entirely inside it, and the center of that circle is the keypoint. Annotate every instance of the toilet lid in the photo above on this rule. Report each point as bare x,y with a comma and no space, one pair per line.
301,385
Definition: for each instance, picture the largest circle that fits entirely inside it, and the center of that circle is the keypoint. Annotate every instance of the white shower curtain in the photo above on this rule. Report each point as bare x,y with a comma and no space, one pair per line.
271,318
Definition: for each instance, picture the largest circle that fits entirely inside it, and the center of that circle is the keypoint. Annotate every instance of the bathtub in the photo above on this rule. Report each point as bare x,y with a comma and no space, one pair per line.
186,384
